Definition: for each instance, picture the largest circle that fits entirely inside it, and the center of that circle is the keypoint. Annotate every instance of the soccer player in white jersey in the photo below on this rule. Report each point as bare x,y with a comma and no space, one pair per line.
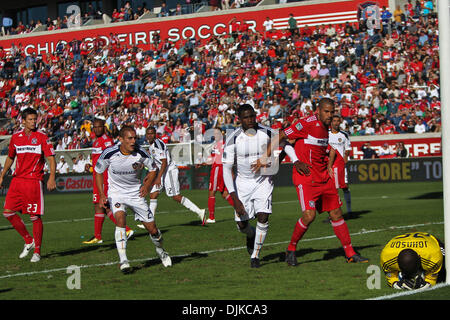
125,163
338,158
251,192
167,176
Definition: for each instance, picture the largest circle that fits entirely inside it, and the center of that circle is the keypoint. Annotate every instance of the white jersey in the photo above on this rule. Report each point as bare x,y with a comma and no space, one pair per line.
246,149
124,171
159,151
340,142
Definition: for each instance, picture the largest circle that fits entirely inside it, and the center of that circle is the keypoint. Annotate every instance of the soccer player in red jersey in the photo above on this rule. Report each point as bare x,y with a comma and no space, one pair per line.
29,147
315,187
101,142
216,182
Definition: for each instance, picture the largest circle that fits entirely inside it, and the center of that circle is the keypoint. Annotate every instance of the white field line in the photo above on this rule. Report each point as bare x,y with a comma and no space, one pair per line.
408,293
213,251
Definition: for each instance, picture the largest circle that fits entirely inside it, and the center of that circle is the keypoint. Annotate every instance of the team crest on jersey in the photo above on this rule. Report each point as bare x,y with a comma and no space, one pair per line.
34,141
340,140
138,166
299,126
312,204
117,205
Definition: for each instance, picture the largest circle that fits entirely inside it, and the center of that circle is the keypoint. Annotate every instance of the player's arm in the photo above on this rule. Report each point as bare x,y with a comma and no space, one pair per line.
301,167
273,144
160,172
228,162
51,182
148,183
331,158
150,178
8,163
100,167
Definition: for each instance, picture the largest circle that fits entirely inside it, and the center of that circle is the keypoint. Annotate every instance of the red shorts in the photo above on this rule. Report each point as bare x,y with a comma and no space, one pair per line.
25,196
216,182
318,196
340,176
96,196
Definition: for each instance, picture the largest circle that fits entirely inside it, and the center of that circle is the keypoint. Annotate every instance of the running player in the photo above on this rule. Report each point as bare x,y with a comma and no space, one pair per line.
340,142
125,163
29,147
101,142
251,192
167,176
413,260
315,187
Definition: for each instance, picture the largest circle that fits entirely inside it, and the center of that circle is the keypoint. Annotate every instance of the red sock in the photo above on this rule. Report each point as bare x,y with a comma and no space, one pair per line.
38,231
18,224
211,206
230,200
98,224
299,231
111,216
341,231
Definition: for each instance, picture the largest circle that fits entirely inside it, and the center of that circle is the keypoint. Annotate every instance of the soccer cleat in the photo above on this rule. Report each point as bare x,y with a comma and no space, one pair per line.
93,240
35,258
250,244
202,216
291,259
254,263
130,234
164,256
357,258
26,249
211,220
125,267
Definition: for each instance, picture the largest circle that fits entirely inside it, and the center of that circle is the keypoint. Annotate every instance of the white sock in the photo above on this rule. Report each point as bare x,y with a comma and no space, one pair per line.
190,205
153,205
157,239
260,236
121,243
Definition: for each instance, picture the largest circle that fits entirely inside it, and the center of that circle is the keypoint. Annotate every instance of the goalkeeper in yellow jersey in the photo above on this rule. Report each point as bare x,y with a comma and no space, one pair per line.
413,261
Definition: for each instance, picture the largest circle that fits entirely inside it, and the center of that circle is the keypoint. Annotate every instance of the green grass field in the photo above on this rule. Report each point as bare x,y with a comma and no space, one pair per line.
211,262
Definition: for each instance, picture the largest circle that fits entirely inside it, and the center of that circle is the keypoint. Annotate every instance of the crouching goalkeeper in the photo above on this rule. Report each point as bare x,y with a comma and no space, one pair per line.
413,261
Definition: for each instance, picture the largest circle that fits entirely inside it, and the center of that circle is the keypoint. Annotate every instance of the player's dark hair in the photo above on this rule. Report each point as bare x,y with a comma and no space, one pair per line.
243,108
150,128
125,129
27,112
98,120
409,262
325,102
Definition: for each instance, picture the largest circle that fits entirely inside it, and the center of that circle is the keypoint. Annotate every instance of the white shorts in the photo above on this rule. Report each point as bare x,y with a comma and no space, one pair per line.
137,204
256,196
169,182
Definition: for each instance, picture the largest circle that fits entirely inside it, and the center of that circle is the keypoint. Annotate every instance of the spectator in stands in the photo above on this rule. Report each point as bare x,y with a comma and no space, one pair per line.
368,151
62,167
401,151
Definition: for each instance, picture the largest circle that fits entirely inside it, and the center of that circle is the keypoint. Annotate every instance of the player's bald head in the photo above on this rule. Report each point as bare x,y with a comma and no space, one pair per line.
326,102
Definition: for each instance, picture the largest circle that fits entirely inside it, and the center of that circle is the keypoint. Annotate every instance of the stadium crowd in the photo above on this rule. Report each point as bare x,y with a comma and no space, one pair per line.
386,80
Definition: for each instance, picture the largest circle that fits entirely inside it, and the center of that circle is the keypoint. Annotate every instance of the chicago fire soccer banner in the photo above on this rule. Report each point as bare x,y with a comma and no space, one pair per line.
203,26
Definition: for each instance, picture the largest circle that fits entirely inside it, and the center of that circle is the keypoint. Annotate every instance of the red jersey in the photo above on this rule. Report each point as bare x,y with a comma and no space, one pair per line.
30,151
216,154
99,145
310,147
